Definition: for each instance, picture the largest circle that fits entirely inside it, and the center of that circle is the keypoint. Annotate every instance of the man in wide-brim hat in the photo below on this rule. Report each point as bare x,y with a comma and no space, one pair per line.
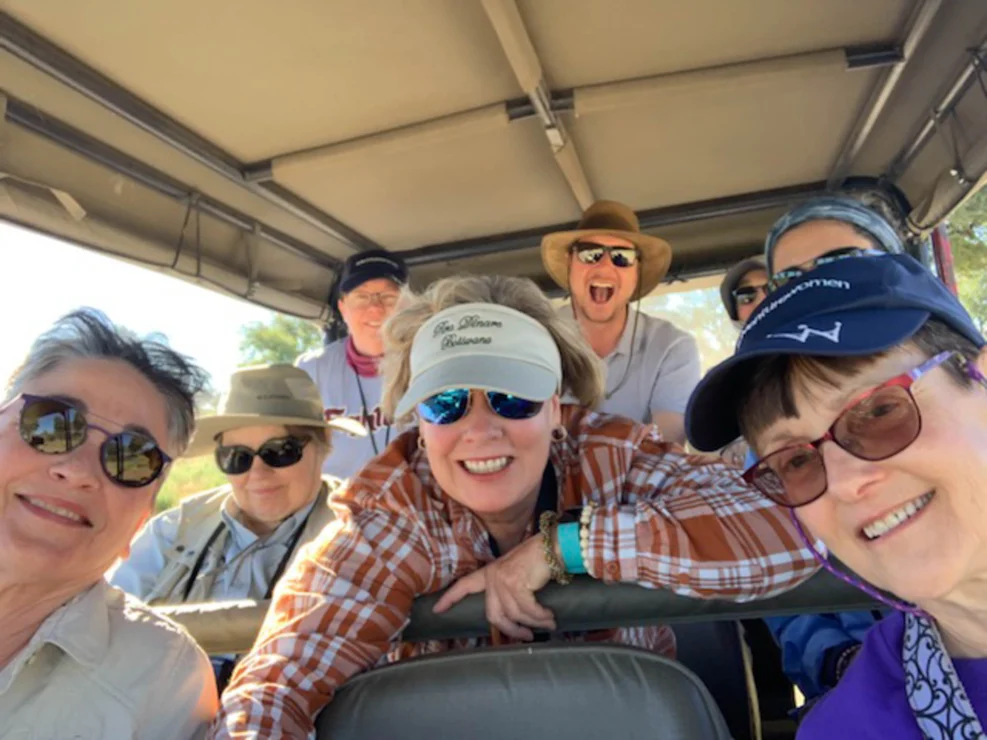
604,264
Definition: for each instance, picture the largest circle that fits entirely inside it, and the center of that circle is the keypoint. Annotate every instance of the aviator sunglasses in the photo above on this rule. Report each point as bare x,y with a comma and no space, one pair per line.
52,426
875,426
589,254
450,406
282,452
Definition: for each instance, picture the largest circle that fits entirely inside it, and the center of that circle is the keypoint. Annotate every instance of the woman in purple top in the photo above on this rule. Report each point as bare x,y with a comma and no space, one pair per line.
860,384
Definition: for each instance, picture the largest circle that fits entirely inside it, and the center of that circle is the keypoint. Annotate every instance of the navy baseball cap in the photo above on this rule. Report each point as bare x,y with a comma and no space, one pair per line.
372,265
849,307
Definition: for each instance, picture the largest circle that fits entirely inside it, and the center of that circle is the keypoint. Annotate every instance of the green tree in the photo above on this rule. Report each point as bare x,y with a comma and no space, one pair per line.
282,339
968,235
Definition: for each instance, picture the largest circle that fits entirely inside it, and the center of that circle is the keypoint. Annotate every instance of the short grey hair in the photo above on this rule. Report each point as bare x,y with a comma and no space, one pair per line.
88,334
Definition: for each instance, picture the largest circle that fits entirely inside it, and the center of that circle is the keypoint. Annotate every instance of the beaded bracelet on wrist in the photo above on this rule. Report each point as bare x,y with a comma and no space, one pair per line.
547,523
584,521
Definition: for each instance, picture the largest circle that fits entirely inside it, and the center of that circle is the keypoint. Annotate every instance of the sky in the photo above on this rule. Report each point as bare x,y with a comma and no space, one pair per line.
46,278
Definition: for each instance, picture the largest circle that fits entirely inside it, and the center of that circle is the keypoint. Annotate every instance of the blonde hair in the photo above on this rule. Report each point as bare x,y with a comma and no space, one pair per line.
582,370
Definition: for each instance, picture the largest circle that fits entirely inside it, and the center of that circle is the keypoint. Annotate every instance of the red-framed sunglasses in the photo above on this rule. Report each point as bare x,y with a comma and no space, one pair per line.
874,426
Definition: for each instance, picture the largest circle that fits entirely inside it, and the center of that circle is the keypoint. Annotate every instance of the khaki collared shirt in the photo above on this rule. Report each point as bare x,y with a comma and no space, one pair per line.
104,666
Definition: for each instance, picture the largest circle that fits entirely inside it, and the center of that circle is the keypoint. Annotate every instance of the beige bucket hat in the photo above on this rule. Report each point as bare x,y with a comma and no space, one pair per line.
607,217
267,394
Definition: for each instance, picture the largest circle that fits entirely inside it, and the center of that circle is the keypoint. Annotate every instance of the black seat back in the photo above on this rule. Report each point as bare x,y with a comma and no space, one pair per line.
577,692
716,653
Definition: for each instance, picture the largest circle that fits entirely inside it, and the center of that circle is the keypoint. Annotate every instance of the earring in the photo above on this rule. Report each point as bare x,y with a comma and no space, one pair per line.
421,443
560,434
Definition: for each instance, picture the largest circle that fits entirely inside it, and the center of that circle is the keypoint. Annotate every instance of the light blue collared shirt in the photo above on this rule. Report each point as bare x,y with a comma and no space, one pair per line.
244,569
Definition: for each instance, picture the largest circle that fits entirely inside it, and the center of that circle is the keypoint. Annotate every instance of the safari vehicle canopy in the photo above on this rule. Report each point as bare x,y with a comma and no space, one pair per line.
251,146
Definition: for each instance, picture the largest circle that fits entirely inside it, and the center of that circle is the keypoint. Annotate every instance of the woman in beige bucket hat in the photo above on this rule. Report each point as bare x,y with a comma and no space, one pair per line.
270,439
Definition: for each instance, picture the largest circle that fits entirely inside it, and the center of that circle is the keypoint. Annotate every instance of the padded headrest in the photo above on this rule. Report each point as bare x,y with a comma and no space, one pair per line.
535,691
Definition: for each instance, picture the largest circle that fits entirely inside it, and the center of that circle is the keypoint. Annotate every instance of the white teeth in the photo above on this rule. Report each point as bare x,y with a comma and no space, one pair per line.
897,517
486,467
595,284
56,509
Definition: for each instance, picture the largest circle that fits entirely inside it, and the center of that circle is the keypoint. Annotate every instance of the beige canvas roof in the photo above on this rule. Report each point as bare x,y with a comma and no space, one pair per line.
251,146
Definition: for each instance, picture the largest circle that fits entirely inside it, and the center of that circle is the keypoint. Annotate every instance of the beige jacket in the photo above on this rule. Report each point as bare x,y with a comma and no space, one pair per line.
103,667
198,518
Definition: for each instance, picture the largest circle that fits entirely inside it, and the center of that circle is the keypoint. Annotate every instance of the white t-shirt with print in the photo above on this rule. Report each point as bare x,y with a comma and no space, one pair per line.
340,387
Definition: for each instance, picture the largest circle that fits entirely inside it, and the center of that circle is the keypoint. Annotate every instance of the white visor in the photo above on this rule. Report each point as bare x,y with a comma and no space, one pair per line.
484,346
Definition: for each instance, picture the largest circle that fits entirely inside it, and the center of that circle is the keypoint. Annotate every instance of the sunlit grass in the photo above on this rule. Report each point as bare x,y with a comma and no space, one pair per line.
188,476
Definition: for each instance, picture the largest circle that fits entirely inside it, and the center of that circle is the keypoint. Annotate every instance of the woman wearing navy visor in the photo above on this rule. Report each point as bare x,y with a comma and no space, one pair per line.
472,500
817,648
861,387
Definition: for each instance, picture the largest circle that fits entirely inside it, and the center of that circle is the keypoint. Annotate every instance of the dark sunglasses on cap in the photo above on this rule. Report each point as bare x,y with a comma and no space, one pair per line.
281,452
589,254
747,294
875,426
783,276
450,406
55,427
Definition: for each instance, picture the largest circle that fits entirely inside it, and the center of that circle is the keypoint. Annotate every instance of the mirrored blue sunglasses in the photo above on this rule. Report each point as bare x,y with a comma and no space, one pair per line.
452,405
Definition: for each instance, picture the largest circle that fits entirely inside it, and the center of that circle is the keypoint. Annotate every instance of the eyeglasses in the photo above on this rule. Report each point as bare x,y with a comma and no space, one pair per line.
52,426
450,406
589,254
783,276
875,426
282,452
365,300
747,294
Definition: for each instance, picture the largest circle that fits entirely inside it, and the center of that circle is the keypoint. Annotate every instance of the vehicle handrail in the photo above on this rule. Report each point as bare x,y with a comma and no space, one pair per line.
585,604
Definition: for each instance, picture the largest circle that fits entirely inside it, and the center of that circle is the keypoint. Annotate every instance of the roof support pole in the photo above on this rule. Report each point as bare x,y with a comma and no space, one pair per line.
918,25
520,52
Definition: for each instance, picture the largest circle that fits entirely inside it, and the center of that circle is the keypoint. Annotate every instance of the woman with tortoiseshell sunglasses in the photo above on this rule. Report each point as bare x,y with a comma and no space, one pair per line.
89,426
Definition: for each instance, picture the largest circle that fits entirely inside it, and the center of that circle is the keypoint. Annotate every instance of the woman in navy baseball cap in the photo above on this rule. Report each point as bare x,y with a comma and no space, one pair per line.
860,384
347,370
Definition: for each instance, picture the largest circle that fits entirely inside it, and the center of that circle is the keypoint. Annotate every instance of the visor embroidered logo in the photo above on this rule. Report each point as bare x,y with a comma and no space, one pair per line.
805,331
767,308
446,329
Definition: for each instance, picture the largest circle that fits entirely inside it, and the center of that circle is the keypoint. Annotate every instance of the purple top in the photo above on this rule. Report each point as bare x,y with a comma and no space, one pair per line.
870,700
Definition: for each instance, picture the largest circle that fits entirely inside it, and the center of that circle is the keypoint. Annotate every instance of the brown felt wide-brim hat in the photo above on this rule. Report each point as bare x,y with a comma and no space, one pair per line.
608,218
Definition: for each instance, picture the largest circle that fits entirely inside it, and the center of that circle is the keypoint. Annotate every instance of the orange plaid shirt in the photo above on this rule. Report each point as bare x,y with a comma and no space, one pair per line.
665,520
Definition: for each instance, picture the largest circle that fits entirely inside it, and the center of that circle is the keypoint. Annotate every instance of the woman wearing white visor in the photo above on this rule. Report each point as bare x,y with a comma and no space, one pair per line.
473,498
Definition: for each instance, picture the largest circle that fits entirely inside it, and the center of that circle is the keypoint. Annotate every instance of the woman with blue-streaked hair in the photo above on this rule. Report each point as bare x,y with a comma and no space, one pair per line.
822,230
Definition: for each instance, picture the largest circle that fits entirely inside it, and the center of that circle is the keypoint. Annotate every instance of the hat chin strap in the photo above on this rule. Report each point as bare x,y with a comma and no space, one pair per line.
630,358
